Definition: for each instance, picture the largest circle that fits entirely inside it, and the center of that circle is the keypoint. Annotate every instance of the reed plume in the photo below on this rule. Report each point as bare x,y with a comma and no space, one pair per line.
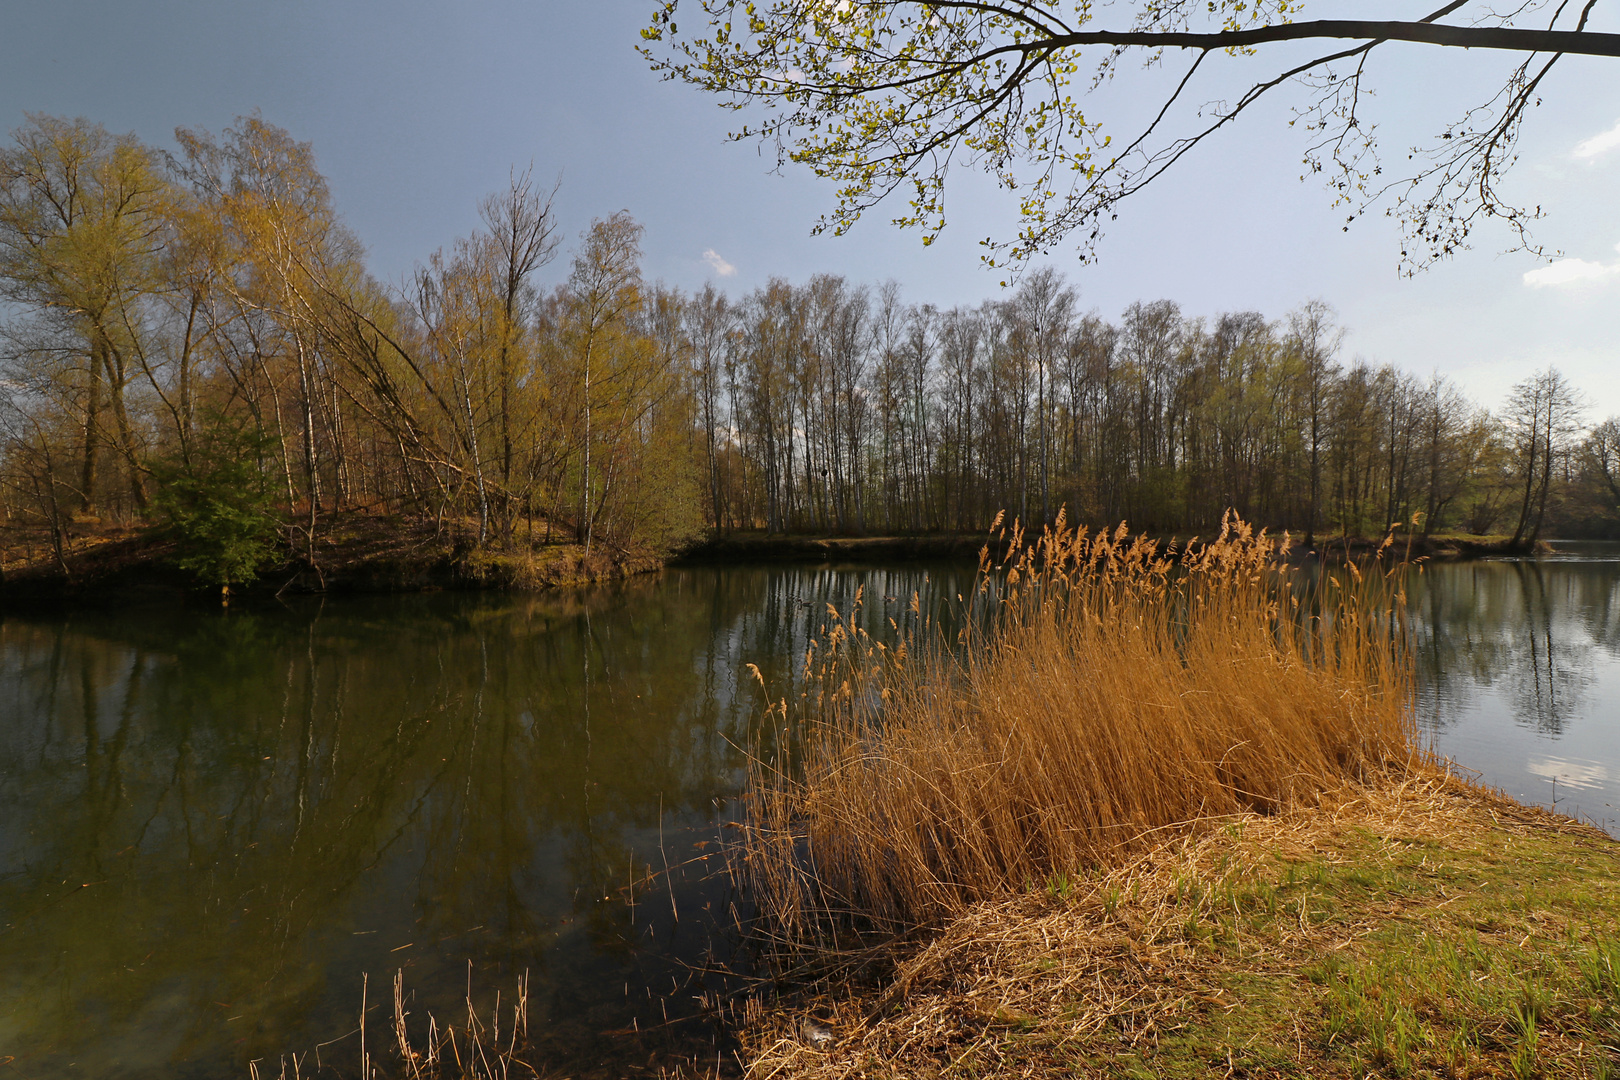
1099,694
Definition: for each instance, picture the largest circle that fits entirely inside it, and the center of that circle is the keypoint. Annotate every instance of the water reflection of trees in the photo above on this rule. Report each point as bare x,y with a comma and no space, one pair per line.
207,816
1533,631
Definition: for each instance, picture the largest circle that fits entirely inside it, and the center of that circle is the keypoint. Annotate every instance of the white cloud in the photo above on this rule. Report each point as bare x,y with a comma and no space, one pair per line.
1600,144
1570,273
717,264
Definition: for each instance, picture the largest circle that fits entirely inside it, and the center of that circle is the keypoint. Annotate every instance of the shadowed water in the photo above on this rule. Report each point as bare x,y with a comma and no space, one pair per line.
212,824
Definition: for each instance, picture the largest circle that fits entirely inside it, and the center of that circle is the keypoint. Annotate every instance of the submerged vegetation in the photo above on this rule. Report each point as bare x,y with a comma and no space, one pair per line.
155,296
490,1045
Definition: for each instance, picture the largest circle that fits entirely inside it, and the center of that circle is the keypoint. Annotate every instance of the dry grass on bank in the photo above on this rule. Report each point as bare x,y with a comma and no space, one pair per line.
1108,698
1424,928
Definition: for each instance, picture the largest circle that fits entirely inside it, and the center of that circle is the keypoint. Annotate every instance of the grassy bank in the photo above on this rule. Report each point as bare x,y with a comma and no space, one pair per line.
358,551
1421,928
1160,819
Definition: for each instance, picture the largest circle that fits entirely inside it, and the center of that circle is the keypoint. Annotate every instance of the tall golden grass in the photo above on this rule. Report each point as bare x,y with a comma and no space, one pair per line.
1105,694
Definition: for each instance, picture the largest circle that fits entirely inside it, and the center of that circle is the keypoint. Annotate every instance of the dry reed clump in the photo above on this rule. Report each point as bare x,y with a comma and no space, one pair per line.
1101,694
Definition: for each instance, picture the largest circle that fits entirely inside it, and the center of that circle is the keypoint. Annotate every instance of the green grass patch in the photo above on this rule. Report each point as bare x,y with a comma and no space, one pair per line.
1495,959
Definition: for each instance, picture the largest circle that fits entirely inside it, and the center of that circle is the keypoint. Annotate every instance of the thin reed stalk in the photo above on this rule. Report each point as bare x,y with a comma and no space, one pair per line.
435,1053
1099,695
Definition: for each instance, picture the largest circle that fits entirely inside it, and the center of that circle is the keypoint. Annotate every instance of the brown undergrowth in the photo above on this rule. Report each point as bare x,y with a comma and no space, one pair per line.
355,551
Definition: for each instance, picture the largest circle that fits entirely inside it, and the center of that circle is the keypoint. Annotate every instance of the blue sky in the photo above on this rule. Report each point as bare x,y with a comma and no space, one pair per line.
417,109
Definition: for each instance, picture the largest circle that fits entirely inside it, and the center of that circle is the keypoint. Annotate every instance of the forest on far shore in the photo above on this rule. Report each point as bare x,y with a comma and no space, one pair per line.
190,338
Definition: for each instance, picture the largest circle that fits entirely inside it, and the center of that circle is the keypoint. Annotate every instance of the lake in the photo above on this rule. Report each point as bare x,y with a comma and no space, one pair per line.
218,829
1518,666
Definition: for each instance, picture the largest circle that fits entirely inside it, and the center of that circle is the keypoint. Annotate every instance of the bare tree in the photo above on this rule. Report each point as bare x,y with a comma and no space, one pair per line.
1314,337
1045,310
1603,454
710,322
1543,414
520,226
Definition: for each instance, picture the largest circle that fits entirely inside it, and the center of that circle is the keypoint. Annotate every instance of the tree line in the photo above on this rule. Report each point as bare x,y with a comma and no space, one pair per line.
836,407
192,331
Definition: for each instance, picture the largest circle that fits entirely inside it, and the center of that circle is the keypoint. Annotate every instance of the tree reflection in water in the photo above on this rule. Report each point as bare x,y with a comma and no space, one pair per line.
1519,672
211,824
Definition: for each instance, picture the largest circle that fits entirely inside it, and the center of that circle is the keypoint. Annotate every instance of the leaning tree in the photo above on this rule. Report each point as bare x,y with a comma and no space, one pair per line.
885,96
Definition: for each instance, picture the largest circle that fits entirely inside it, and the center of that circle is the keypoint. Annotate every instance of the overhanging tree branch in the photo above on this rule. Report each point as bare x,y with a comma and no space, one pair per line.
1571,42
886,95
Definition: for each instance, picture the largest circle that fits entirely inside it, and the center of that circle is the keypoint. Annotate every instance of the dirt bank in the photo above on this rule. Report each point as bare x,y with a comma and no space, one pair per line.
353,553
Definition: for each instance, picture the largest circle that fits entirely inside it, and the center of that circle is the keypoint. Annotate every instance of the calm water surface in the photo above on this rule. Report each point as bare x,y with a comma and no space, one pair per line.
213,824
1519,673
